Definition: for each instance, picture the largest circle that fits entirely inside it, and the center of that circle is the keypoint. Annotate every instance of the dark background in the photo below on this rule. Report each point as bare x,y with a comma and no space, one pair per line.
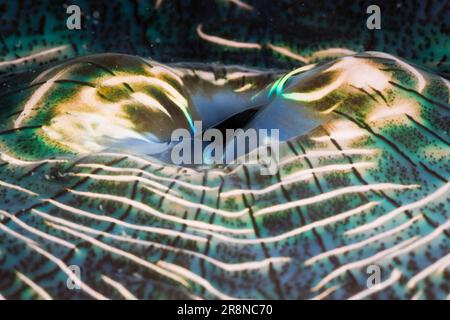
416,30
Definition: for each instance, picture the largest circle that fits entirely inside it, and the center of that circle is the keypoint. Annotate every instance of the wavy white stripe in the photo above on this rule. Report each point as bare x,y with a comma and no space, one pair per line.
393,278
17,162
242,4
297,231
32,56
36,288
37,96
424,240
438,266
417,296
161,231
325,293
297,177
363,243
288,53
194,278
226,42
190,204
148,174
360,263
145,208
379,221
119,252
18,188
37,232
119,287
328,153
124,178
17,235
64,268
332,194
155,163
230,267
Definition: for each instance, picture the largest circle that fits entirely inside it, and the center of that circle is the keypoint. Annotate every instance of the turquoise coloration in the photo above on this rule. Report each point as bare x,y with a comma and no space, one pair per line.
362,177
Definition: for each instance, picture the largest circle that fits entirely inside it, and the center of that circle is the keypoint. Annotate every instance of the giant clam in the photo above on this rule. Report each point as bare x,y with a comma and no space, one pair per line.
87,184
362,180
